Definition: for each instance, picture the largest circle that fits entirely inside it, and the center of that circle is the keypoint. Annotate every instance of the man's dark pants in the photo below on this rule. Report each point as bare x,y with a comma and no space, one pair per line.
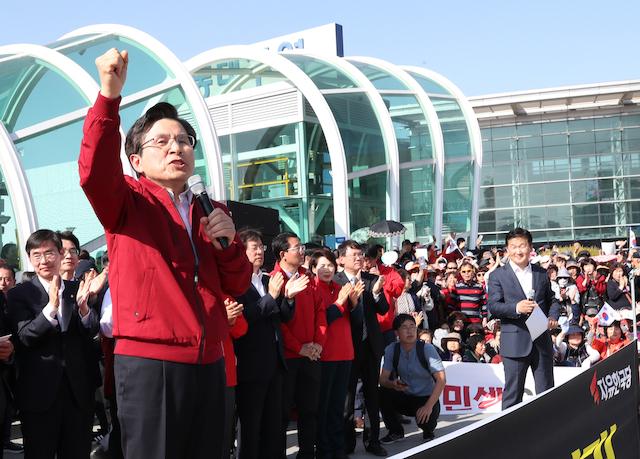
260,413
393,402
170,410
515,373
365,366
302,389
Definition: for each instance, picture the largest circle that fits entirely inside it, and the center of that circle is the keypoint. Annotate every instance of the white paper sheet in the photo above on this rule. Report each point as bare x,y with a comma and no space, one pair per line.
537,323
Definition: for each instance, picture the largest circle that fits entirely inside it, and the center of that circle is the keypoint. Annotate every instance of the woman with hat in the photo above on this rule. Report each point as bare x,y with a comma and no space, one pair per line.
567,294
573,350
452,347
618,289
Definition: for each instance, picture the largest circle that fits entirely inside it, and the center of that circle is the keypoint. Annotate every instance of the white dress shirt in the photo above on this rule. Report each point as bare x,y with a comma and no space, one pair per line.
525,276
256,280
106,315
183,205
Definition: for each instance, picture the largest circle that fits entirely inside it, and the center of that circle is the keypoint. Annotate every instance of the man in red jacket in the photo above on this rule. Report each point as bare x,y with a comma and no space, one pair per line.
304,337
166,274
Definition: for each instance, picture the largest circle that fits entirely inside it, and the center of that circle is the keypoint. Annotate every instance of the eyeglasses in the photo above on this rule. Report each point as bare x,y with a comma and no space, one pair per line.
297,248
163,141
37,257
258,247
72,252
355,255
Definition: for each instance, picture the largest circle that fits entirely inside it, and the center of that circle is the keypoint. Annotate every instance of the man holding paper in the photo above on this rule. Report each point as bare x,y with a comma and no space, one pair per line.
520,296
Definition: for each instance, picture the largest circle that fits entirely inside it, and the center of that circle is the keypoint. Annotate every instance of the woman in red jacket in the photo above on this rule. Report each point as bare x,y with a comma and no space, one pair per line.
336,357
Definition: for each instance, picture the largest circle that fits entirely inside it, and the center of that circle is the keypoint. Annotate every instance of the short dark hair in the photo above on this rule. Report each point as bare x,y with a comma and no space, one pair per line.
69,236
348,244
328,254
519,232
403,273
459,240
310,248
39,237
9,268
402,318
469,264
373,251
473,341
162,110
249,234
280,243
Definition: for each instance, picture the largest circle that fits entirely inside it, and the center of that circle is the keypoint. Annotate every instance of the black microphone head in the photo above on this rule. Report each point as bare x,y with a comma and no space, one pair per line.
195,184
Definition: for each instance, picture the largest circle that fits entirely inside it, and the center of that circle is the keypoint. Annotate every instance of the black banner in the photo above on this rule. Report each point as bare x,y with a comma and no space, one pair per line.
594,415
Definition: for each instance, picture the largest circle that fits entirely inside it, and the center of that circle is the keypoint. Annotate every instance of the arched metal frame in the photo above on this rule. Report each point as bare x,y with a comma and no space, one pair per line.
435,131
320,106
17,183
475,141
209,139
384,119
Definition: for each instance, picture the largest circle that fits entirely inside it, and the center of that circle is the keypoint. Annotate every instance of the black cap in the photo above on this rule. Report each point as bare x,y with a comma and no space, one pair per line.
83,267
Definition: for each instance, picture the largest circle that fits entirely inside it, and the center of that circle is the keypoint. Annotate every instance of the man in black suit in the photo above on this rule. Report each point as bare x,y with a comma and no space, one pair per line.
53,327
260,355
515,290
366,300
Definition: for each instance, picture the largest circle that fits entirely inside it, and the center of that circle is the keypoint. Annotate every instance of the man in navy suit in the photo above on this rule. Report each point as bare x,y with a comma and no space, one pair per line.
509,287
260,355
53,328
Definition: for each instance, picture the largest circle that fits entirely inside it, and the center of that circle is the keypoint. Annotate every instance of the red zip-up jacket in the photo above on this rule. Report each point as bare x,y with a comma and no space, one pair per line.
309,322
392,289
236,331
338,345
162,308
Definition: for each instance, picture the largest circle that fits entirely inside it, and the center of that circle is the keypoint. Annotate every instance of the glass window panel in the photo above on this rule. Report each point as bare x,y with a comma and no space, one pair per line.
588,233
631,165
581,125
506,220
559,139
487,221
360,131
559,217
608,135
531,195
504,144
585,215
630,120
529,142
411,128
458,222
149,69
52,171
380,78
633,187
528,129
554,127
631,133
583,149
556,169
416,198
503,132
232,75
631,145
428,85
8,229
454,128
367,200
583,167
324,75
581,137
534,218
559,151
33,92
608,122
320,181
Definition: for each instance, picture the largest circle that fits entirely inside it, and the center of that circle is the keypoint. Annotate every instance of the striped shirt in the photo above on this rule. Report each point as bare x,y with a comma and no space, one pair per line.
472,300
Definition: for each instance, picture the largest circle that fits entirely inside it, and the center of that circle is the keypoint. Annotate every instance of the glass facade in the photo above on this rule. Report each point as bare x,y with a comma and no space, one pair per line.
565,179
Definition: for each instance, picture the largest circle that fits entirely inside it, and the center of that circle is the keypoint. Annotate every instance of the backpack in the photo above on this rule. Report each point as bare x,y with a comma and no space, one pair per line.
420,353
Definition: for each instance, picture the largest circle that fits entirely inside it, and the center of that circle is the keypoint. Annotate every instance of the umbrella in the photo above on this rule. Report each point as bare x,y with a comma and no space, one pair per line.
360,235
386,228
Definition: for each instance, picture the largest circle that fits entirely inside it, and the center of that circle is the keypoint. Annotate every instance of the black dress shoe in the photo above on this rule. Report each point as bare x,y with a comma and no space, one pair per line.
376,449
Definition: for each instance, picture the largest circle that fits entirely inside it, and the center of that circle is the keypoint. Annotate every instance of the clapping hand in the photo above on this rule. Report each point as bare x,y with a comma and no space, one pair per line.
295,286
377,287
275,285
54,291
234,310
356,293
84,292
344,293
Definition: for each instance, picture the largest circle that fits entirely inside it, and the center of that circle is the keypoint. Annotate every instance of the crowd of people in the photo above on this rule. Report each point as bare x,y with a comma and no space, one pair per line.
319,331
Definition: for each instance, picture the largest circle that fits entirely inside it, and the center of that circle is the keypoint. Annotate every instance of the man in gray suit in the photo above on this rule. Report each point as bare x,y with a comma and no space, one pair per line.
515,290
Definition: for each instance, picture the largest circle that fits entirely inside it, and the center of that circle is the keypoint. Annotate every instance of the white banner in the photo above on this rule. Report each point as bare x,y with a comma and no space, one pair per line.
477,387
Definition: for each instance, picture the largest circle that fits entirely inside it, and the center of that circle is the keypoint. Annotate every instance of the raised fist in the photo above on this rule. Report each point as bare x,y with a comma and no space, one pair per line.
112,69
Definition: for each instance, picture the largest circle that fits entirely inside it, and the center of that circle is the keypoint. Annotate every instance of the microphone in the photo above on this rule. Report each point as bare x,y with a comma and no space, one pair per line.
197,188
531,294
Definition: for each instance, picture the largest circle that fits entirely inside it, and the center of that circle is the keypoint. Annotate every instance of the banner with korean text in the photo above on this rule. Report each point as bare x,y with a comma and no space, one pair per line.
477,387
592,416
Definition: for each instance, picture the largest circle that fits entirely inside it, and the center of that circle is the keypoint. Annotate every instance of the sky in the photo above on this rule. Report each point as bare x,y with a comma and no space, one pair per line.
484,47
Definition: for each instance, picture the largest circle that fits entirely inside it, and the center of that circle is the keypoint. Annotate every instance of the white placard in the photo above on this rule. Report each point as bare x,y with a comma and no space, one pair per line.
537,323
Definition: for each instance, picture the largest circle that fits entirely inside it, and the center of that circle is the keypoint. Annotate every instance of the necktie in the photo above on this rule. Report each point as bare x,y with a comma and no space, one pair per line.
354,280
